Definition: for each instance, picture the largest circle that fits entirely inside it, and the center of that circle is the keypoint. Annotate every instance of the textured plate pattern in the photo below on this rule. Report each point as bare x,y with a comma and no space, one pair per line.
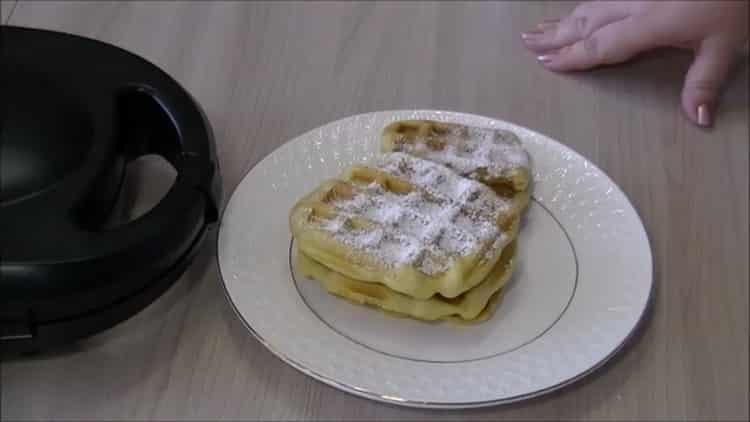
614,284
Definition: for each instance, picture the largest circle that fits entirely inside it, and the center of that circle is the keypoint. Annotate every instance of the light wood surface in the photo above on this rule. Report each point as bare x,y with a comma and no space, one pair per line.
267,72
6,9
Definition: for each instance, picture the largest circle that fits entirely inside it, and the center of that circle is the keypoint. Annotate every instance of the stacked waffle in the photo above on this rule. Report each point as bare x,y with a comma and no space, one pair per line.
428,231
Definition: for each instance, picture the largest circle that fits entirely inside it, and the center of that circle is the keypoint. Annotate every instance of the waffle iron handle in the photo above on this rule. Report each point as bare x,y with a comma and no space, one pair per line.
161,118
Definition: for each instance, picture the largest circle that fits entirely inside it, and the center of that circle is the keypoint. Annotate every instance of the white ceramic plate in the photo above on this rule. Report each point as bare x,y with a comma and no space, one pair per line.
582,284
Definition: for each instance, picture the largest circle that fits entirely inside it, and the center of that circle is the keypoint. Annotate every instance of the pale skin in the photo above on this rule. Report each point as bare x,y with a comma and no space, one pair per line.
600,33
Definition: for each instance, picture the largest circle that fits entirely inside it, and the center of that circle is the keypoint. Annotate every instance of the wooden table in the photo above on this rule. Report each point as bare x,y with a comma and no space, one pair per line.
268,72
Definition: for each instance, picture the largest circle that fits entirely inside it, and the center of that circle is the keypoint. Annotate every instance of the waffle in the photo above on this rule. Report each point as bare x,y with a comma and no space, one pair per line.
474,305
410,224
492,156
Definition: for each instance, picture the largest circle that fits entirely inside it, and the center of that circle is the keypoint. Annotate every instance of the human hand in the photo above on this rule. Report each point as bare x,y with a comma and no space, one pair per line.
601,33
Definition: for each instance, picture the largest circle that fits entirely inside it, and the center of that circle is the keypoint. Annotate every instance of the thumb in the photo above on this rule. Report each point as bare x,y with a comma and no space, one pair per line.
704,79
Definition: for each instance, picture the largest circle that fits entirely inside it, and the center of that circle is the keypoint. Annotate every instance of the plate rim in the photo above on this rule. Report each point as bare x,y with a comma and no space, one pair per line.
440,405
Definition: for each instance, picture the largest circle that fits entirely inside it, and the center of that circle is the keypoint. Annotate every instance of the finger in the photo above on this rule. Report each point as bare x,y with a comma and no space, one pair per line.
614,43
582,22
711,65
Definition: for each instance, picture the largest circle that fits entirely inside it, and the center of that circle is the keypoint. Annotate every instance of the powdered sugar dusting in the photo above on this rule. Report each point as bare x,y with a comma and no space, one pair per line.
469,150
446,217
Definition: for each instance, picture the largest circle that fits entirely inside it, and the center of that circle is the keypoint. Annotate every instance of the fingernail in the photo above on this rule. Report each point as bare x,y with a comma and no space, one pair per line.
704,115
531,32
545,58
529,36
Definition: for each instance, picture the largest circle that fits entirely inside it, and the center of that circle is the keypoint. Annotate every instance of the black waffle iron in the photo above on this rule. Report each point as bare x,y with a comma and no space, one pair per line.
74,112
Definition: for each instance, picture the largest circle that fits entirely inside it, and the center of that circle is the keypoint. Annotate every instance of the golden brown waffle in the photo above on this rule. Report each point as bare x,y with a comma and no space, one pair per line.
474,305
410,224
491,156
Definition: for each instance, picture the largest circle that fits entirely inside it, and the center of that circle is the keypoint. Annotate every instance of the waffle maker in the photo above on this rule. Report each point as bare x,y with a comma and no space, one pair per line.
74,112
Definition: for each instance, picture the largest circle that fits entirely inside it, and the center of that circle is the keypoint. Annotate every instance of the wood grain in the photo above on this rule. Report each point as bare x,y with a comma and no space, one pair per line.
266,72
6,9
